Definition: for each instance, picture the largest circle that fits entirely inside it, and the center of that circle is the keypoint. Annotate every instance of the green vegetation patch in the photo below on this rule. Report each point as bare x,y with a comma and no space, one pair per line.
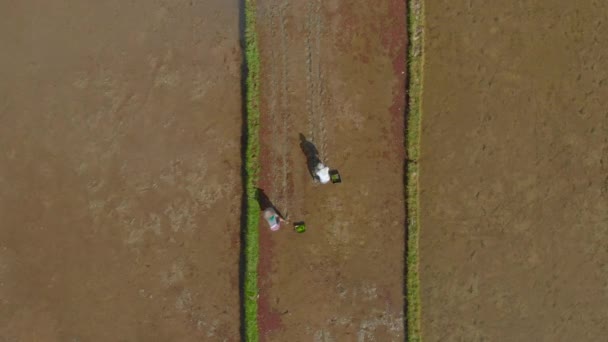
415,77
252,167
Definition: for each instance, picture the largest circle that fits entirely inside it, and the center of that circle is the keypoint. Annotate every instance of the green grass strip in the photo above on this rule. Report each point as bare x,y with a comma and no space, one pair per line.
415,75
252,253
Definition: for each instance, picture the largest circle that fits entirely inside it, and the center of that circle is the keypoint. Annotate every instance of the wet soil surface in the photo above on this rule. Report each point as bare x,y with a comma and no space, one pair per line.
119,171
333,71
514,172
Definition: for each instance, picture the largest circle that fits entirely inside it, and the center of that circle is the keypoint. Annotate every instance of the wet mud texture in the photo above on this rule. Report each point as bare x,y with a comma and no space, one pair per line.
514,172
119,171
334,72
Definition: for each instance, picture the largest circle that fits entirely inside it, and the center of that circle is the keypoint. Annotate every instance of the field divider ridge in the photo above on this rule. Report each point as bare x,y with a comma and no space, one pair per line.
415,62
250,141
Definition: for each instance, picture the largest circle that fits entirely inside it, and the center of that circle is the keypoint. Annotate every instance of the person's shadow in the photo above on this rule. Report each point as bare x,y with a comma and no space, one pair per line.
311,153
265,202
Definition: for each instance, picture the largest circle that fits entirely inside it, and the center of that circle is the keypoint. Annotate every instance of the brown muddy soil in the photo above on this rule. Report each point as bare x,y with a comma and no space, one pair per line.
514,172
334,72
119,171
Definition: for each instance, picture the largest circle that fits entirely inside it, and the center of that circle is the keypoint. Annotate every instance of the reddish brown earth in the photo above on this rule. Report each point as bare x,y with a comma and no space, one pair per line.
333,71
514,172
119,170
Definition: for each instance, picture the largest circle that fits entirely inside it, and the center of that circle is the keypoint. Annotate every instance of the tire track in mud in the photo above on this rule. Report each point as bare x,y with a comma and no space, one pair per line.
315,85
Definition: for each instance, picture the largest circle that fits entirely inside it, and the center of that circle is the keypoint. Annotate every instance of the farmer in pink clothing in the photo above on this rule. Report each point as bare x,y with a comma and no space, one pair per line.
270,213
273,219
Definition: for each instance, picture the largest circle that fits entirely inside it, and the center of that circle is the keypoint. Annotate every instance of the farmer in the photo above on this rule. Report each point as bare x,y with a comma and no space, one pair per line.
322,173
273,219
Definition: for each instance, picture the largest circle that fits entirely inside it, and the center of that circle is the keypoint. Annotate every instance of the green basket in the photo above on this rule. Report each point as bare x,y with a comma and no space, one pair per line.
299,227
335,176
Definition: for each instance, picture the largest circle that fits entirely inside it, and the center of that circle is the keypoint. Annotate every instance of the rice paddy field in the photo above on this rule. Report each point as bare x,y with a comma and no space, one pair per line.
140,141
120,185
514,172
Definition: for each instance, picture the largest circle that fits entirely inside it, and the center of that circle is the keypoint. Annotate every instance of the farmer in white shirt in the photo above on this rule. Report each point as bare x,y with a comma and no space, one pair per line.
317,169
322,173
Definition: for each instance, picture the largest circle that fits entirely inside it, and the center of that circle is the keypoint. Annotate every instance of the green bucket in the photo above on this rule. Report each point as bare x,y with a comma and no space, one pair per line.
299,227
335,176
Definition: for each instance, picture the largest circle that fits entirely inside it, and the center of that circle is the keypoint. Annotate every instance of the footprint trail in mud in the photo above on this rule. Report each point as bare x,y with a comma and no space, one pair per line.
279,106
315,85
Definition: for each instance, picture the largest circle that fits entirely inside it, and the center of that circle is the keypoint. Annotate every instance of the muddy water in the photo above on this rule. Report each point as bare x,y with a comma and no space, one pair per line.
334,72
514,173
119,171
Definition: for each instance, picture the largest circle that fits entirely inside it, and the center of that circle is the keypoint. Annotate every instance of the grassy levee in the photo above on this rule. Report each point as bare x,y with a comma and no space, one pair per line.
252,63
414,116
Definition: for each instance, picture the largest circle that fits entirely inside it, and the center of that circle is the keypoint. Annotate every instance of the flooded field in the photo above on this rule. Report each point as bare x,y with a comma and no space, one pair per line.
120,167
514,172
334,72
